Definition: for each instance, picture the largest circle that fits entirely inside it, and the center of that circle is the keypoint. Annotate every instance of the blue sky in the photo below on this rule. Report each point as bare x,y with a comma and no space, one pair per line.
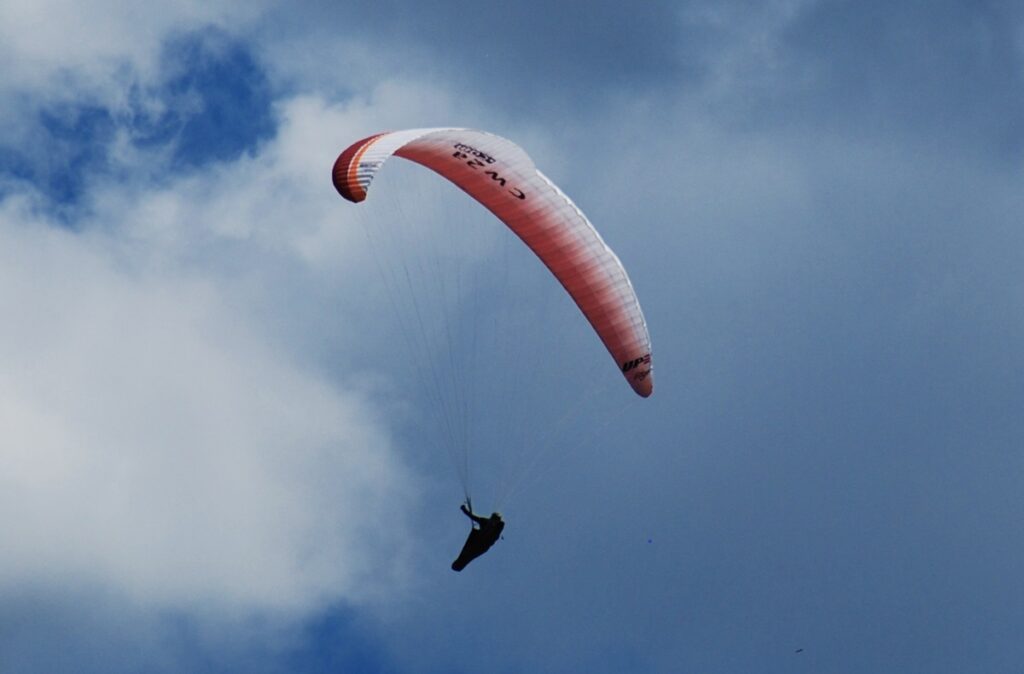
219,457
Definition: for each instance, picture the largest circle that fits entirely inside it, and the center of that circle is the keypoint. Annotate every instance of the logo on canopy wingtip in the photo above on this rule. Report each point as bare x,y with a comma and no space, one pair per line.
630,364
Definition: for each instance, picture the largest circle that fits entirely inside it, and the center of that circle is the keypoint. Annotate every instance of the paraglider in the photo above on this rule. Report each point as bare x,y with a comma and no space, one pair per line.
499,175
483,535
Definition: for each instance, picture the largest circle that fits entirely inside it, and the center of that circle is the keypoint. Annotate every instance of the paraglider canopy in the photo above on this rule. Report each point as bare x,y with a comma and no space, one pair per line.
500,175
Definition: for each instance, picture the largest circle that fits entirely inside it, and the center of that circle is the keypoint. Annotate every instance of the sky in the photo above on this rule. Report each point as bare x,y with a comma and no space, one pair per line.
221,454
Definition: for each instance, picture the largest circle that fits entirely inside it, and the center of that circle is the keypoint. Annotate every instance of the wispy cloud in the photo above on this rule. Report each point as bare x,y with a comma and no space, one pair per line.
164,435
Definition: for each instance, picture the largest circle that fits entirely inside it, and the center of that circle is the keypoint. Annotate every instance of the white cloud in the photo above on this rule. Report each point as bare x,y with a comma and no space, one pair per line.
158,436
52,44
